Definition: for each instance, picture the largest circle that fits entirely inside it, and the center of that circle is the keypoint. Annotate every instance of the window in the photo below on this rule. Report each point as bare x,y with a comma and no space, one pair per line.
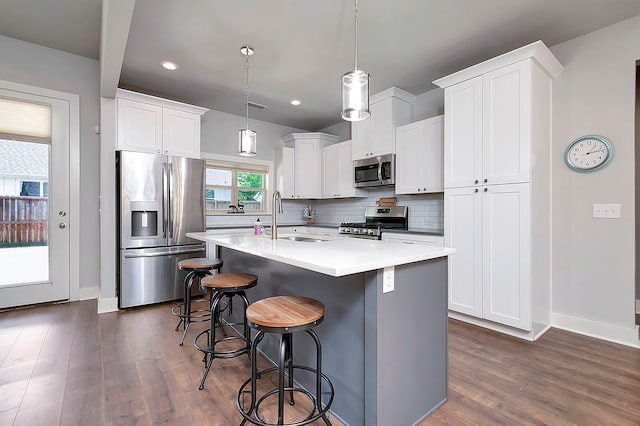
34,189
238,185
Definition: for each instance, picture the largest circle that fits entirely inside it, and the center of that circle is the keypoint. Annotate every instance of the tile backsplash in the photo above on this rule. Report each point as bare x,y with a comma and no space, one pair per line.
426,211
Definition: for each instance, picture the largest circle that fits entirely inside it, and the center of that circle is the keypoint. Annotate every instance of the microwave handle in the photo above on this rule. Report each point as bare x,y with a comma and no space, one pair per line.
380,171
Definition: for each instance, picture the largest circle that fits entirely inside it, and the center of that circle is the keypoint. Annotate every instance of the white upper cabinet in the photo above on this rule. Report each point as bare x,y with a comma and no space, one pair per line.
285,168
149,124
307,168
489,127
494,112
376,135
338,173
419,157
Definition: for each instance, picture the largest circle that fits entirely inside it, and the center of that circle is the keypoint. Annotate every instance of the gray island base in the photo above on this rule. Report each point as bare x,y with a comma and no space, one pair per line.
385,352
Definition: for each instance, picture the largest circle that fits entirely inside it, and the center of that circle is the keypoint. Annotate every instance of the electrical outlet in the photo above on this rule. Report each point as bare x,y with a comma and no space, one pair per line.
606,211
387,279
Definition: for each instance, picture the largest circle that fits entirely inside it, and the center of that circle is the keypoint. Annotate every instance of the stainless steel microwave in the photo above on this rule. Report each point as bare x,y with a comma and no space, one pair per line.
375,171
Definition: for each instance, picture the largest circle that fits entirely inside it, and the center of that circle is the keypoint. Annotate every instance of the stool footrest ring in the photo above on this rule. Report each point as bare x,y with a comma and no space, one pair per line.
317,412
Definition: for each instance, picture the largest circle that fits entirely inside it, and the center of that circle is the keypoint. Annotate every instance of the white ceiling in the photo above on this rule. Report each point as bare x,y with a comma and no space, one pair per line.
303,46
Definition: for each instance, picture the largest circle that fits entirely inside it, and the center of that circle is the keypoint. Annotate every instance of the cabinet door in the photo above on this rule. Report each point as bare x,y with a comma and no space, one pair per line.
139,126
346,182
463,230
463,134
361,139
507,124
382,129
419,157
507,254
331,171
285,166
307,169
408,155
180,133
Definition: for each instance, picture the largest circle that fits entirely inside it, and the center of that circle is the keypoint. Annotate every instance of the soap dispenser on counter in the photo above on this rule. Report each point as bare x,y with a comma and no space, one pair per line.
257,227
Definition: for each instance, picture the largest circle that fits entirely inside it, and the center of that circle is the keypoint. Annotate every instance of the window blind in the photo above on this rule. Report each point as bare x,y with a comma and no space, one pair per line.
25,121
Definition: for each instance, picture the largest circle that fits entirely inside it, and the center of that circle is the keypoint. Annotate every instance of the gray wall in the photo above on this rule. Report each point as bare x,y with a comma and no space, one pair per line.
220,134
39,66
593,259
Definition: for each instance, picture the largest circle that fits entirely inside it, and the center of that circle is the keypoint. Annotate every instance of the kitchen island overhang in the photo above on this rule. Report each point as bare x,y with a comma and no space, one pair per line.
384,335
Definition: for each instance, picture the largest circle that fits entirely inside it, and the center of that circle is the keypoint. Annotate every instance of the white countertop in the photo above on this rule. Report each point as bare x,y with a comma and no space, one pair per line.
336,256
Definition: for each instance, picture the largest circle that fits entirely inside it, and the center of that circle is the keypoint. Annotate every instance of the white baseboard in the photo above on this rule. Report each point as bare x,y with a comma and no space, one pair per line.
88,293
107,304
612,333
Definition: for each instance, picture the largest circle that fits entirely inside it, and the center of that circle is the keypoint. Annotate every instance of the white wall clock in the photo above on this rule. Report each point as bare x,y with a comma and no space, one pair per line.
589,153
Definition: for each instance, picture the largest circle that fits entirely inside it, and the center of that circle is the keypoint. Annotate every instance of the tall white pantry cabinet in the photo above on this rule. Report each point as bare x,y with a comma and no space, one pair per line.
497,197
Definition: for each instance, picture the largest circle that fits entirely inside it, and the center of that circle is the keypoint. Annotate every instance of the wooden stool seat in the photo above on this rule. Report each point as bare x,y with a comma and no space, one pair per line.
229,281
198,263
285,312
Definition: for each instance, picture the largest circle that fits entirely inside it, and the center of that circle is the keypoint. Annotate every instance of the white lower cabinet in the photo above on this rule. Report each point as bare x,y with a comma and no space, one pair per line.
402,237
490,274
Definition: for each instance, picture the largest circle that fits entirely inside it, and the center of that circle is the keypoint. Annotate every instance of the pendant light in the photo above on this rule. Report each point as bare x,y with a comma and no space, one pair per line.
355,87
247,137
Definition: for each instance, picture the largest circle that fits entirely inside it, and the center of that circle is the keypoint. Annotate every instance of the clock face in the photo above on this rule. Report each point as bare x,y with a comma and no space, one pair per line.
589,153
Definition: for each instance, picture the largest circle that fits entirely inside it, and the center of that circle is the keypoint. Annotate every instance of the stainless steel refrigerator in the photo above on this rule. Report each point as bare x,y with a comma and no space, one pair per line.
160,199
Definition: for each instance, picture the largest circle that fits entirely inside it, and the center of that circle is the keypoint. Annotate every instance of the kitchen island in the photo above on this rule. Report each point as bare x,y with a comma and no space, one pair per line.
384,335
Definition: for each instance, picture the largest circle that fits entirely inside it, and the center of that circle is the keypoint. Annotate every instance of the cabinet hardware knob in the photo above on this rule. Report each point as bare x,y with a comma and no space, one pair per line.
475,190
62,225
476,181
486,189
486,180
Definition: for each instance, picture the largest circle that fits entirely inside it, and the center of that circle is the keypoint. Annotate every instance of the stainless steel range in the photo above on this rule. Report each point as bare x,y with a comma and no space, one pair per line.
376,220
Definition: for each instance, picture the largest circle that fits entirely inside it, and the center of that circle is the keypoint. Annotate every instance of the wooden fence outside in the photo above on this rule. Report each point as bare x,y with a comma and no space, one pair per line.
23,219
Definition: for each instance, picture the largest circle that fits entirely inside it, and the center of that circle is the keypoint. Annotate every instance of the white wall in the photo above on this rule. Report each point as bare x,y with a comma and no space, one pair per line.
39,66
593,259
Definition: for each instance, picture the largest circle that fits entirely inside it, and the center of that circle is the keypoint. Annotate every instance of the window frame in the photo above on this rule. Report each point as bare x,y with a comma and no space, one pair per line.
235,164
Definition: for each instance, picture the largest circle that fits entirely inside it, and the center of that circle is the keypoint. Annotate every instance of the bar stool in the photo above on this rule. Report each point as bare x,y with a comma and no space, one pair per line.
285,315
228,284
197,268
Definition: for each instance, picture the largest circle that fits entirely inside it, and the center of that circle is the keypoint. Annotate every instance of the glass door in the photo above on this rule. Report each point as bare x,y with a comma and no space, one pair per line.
34,199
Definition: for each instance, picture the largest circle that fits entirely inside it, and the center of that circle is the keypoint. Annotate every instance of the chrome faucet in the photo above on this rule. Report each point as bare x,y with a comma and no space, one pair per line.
274,227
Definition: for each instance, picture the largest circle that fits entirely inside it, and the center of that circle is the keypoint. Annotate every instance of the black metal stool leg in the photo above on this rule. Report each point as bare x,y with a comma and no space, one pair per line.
211,339
187,306
282,359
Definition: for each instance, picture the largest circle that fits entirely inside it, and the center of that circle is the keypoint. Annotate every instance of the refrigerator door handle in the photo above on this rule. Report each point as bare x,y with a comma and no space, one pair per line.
165,197
170,201
164,253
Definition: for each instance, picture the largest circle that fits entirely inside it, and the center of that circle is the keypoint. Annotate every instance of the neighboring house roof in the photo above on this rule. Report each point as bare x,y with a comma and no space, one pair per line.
24,159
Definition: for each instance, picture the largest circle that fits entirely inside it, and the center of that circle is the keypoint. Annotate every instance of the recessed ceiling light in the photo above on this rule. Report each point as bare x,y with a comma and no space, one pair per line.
168,65
295,102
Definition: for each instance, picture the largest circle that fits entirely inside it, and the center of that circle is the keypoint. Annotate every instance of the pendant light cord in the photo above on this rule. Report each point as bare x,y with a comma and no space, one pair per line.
355,66
247,85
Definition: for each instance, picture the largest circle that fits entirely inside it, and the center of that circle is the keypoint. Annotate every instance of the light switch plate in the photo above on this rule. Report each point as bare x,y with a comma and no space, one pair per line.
606,211
387,279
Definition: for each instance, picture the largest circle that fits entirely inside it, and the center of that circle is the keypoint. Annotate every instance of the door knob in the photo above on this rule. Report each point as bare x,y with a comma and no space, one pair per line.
62,225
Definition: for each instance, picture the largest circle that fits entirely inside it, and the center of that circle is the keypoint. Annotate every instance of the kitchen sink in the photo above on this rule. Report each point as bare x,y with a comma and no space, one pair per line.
304,239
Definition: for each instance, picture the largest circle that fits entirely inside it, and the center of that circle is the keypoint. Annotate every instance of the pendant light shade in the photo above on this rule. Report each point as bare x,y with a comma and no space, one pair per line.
355,87
247,145
247,138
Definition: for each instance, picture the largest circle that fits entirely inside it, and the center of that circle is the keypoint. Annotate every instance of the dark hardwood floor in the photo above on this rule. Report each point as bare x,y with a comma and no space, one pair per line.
64,364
